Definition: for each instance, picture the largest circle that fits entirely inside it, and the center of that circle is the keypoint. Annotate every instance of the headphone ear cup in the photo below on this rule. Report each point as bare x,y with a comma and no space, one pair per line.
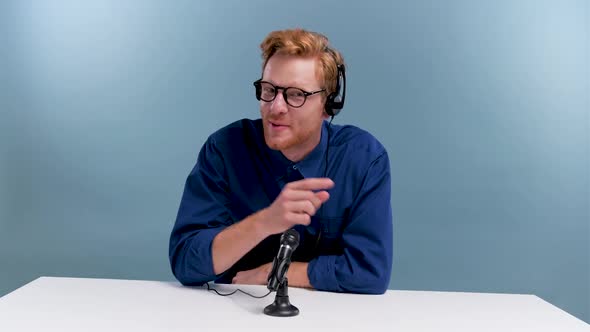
258,89
329,107
334,106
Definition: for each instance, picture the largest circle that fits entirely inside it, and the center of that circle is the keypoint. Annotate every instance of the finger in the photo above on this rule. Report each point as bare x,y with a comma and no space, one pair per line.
240,278
322,196
311,184
298,194
300,207
316,201
299,218
303,195
240,275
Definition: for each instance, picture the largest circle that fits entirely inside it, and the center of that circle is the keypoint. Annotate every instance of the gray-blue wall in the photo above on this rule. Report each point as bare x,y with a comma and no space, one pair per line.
482,105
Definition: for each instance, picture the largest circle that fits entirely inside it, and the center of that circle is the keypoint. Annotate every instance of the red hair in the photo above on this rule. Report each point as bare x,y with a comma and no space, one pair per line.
303,43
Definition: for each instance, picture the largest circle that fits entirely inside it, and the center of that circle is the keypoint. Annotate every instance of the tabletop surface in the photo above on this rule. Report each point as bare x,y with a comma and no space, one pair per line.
80,304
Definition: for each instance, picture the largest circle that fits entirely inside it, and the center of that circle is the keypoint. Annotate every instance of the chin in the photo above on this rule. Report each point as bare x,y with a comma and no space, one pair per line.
277,144
273,144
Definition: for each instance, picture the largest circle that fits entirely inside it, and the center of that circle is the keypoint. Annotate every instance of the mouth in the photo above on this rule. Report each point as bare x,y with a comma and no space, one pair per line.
276,125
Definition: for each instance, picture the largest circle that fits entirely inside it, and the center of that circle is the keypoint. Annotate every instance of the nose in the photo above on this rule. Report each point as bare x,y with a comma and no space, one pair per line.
278,105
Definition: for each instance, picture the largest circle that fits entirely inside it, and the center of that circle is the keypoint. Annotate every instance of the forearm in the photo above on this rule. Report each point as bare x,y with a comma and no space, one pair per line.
234,242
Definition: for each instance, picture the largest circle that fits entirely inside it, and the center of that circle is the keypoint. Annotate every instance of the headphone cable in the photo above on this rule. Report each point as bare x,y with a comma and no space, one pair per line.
328,147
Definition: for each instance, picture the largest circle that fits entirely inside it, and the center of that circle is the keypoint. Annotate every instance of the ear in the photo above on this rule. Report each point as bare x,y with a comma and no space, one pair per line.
325,115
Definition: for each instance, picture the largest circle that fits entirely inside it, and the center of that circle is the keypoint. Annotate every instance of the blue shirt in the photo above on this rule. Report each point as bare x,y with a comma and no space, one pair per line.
349,242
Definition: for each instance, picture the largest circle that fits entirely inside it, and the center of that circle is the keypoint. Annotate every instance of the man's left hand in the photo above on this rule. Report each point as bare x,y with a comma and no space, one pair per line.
257,276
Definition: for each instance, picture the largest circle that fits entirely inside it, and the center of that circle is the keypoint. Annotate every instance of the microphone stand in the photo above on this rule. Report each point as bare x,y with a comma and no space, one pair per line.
281,307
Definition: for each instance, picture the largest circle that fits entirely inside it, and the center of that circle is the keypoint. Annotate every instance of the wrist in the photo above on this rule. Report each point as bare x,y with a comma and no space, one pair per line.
259,223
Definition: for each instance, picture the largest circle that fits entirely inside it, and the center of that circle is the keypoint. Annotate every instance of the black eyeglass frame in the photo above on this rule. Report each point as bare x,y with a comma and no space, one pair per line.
258,86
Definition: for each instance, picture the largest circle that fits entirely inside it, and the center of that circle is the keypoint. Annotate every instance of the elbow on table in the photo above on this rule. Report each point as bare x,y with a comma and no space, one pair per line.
376,287
190,279
372,284
186,274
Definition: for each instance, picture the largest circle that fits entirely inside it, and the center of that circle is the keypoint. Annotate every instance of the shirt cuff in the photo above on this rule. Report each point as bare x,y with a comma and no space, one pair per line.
203,254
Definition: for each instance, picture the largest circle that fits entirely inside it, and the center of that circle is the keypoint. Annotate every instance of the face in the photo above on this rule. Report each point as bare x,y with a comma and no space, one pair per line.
293,131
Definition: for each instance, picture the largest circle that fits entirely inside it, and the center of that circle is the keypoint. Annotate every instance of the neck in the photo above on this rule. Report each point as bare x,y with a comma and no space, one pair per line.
298,153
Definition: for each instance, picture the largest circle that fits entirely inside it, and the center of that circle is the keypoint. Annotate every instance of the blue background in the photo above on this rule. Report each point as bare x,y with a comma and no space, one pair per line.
482,105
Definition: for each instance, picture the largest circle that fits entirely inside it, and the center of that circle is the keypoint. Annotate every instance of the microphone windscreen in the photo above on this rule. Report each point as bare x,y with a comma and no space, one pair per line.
290,238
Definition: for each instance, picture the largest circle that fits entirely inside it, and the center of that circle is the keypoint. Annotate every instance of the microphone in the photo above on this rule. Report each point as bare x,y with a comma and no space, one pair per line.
280,265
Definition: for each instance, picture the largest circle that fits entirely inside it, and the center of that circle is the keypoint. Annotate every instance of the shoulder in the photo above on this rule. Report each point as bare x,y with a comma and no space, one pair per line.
357,141
235,140
236,134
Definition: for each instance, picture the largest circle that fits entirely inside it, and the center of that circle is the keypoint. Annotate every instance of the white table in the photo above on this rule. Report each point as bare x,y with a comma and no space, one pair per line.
73,304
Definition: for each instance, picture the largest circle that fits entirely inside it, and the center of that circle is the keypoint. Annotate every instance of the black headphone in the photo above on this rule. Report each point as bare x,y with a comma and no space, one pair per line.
335,100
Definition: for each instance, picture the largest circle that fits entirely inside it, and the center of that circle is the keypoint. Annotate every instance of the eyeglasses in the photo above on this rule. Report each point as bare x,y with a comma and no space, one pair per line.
294,97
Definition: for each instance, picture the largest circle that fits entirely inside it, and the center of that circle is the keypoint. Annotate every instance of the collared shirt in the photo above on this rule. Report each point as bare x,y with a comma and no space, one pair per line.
349,242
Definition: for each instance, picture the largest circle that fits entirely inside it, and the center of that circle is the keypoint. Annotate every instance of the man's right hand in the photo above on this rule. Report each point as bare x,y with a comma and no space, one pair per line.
297,202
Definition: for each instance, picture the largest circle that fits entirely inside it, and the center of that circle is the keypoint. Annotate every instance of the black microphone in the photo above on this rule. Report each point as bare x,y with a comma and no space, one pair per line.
280,265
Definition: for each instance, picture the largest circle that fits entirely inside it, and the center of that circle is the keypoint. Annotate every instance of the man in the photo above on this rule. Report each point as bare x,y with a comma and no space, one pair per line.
255,179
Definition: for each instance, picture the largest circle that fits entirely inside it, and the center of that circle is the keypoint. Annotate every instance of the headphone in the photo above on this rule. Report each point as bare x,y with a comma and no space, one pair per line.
335,100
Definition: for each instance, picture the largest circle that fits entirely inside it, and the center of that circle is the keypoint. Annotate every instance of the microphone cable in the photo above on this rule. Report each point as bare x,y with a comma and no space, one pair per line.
235,291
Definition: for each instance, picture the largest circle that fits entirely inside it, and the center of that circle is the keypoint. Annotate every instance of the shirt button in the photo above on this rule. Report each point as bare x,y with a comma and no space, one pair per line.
295,167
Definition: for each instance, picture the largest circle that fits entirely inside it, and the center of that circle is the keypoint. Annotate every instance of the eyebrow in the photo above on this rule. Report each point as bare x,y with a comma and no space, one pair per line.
291,85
